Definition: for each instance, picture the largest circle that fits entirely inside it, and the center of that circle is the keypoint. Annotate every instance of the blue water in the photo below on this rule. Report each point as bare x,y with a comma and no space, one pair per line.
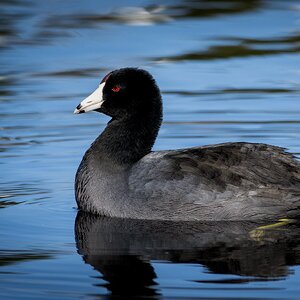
228,71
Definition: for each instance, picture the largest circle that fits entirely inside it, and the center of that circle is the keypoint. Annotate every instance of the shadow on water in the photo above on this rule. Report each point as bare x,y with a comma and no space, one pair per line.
122,250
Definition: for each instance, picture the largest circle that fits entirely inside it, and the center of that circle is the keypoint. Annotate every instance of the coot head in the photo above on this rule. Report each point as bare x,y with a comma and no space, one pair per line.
123,93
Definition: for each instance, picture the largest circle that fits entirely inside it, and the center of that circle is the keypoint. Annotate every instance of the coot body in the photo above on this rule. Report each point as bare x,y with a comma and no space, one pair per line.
120,176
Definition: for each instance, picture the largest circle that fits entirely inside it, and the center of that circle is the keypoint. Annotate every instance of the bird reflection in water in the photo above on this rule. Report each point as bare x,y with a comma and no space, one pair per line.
122,250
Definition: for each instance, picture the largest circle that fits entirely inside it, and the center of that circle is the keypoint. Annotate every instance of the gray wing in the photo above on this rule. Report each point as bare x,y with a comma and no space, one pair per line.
231,176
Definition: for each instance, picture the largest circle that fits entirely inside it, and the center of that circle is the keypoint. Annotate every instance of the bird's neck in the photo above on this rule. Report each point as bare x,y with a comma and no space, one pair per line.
125,141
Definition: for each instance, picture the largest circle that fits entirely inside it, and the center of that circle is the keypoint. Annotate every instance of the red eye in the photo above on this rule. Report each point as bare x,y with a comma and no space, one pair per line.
116,88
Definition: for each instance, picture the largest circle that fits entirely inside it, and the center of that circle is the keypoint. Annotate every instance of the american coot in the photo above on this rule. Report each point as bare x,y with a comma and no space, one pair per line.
119,175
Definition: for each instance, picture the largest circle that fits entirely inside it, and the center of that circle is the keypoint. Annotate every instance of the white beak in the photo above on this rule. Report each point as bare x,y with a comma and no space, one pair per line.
92,102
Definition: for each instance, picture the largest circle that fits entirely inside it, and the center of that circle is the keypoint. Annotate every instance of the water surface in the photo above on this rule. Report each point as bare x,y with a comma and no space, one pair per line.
228,71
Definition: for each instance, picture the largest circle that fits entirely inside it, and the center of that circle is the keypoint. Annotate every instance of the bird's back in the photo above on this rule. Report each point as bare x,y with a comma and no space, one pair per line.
234,181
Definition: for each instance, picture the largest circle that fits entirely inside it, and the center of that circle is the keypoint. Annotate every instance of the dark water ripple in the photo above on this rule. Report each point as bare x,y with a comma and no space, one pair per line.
12,193
238,91
240,48
8,257
87,72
